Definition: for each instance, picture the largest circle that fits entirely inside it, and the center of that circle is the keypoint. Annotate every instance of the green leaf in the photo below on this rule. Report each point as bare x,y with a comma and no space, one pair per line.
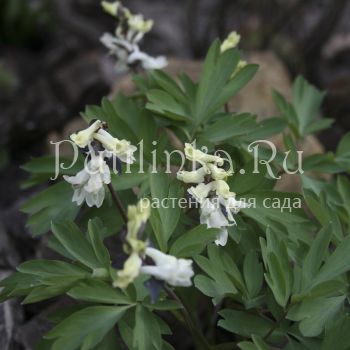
267,128
253,273
146,324
276,260
217,71
316,254
244,323
314,314
193,242
164,104
228,127
53,204
95,235
307,101
343,151
337,264
95,291
247,178
52,268
165,191
236,83
43,168
46,292
69,235
321,163
85,328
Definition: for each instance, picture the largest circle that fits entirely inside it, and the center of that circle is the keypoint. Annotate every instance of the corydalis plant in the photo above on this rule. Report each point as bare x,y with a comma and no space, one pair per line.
124,43
279,282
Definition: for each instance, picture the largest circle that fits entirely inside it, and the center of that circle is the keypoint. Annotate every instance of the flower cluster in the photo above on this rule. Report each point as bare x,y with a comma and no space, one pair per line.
218,204
88,184
176,272
124,44
231,42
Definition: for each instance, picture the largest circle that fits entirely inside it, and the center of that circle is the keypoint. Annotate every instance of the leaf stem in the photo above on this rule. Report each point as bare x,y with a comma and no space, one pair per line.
197,333
118,203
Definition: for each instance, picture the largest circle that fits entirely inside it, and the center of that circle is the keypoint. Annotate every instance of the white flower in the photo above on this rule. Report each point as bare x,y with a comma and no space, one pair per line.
230,42
88,184
232,207
176,272
84,137
212,215
201,191
195,176
120,148
217,173
147,62
223,189
196,155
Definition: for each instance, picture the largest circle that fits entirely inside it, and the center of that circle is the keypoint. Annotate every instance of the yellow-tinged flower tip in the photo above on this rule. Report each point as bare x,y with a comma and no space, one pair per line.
218,173
137,215
121,148
84,137
137,23
231,41
130,271
223,189
196,155
111,7
195,176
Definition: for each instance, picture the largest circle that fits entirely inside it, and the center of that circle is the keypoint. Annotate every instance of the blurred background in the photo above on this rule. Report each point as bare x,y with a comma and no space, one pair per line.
52,64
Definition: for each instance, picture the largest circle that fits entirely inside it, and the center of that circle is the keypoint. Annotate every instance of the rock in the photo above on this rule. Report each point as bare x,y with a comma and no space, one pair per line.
10,317
31,332
9,256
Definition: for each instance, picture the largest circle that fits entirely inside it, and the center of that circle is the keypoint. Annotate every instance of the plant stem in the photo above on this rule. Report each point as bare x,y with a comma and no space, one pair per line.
227,109
197,333
118,203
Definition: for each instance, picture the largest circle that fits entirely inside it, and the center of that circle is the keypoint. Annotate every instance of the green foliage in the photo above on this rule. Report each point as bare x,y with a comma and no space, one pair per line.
281,281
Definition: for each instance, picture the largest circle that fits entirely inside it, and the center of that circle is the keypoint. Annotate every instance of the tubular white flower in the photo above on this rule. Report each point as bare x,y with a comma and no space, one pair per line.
217,173
195,176
230,42
201,191
223,189
84,137
130,271
232,207
120,148
88,184
196,155
211,215
147,62
176,272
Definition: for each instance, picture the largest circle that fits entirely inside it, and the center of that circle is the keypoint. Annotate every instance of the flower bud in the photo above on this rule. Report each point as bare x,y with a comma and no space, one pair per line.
196,155
84,137
230,42
111,7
